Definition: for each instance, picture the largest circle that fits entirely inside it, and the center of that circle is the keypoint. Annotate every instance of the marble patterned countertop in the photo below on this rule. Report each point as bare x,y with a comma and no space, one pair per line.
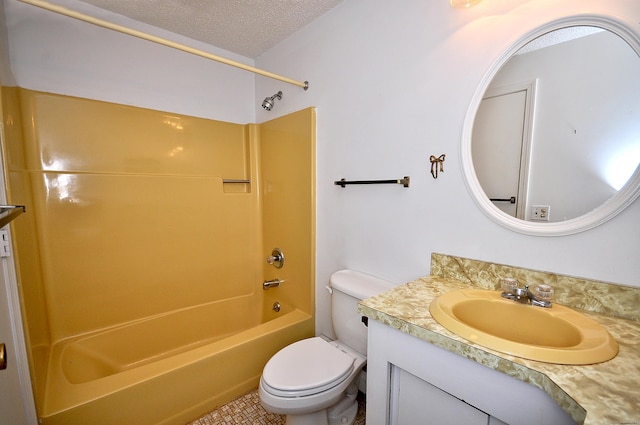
601,394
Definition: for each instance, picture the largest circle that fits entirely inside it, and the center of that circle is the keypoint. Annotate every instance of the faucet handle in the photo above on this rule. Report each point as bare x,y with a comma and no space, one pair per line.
508,284
543,292
276,258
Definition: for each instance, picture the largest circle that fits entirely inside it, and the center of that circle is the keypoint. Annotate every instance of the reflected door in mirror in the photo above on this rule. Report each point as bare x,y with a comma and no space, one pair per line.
500,149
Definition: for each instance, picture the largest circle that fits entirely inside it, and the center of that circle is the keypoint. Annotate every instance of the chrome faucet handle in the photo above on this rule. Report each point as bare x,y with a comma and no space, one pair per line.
540,296
543,292
508,284
276,258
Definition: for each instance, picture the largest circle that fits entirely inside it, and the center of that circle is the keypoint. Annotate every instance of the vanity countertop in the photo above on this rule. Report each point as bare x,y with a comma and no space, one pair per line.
607,393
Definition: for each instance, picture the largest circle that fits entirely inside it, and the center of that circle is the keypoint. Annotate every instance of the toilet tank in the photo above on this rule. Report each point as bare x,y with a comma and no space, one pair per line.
348,289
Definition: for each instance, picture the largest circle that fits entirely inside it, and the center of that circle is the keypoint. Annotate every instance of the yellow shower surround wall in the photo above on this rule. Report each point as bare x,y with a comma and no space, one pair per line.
128,215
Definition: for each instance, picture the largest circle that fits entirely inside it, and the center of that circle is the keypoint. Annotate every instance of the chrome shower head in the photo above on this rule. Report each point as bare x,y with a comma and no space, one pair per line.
268,102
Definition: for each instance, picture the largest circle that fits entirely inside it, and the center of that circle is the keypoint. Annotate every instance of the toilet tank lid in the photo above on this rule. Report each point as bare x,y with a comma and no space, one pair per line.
358,285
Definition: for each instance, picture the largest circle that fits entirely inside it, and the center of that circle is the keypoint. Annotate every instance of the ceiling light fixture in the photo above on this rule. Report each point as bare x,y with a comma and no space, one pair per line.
464,3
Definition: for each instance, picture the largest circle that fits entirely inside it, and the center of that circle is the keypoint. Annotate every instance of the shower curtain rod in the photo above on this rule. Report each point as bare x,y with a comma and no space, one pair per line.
115,27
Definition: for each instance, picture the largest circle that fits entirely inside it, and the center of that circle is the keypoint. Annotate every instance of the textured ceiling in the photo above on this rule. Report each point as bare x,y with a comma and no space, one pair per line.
557,37
246,27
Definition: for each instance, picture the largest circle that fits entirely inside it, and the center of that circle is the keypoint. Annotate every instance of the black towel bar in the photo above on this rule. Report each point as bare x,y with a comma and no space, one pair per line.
404,181
511,200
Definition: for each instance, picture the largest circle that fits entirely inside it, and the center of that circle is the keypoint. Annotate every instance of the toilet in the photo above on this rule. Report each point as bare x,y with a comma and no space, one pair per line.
315,381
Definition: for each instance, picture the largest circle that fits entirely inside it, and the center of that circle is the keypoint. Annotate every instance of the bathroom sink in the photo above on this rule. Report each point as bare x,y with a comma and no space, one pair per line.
554,335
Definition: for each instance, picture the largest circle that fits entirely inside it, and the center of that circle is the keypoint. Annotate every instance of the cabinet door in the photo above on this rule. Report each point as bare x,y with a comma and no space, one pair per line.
417,402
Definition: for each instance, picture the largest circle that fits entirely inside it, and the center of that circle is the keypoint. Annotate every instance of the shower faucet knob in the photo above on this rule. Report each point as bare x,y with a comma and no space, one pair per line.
276,258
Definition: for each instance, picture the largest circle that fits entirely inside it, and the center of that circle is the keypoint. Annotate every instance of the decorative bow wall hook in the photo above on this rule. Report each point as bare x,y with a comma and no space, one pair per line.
436,162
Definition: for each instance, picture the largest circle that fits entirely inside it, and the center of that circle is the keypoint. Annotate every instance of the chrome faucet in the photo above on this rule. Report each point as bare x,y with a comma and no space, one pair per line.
541,297
273,283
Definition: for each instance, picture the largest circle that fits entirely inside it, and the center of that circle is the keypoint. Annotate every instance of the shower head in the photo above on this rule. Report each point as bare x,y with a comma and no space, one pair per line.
268,102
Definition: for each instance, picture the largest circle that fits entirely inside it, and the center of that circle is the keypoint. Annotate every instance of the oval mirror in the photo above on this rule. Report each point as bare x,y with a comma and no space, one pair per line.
551,142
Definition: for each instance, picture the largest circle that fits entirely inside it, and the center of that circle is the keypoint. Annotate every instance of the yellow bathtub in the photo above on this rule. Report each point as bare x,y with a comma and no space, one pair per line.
166,369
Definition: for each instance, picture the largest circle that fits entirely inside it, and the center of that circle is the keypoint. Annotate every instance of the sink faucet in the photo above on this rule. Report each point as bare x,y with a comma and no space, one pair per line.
541,297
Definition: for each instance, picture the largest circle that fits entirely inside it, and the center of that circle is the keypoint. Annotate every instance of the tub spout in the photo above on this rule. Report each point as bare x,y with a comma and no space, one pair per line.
271,283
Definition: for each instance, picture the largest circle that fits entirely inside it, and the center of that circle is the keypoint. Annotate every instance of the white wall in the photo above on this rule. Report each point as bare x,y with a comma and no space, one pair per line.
6,76
392,82
53,53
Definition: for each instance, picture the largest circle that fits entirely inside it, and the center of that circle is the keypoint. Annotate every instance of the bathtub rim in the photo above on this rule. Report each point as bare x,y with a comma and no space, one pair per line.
61,395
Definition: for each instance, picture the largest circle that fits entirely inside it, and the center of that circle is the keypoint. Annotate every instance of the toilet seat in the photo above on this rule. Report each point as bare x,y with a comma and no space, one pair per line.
306,367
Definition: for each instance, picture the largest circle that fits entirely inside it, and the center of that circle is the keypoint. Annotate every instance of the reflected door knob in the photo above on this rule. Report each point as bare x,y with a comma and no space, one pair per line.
3,356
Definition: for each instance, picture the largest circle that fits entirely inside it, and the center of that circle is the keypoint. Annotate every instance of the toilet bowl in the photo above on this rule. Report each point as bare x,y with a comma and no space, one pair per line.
308,376
315,381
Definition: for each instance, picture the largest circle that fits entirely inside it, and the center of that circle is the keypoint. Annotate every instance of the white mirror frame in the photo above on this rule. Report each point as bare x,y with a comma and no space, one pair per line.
599,215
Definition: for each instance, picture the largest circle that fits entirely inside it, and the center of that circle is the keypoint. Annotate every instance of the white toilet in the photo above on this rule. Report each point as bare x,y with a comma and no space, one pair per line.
315,381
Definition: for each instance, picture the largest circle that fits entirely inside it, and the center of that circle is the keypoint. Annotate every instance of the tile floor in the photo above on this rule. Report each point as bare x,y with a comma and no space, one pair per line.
248,410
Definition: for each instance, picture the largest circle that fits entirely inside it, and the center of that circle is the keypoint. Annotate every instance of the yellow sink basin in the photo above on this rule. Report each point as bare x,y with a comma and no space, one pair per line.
553,335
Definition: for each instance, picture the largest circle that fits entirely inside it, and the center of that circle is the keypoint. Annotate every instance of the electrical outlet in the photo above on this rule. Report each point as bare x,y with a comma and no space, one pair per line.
540,212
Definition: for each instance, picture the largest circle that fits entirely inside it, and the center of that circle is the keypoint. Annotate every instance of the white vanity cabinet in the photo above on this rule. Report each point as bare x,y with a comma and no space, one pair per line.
413,400
412,382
